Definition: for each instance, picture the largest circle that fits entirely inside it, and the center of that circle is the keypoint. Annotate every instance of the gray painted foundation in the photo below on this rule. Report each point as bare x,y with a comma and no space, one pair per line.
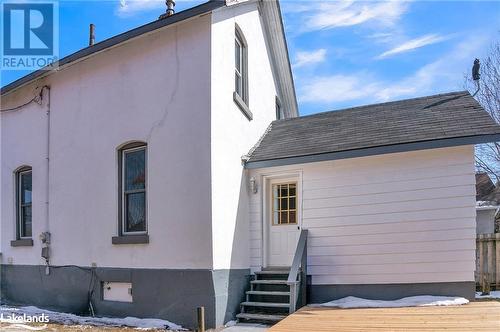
173,295
326,293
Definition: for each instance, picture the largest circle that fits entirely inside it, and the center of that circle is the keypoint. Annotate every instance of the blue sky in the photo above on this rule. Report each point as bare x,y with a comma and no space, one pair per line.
343,53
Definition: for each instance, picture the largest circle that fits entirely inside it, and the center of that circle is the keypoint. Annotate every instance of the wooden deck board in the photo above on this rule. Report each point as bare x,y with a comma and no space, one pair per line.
475,316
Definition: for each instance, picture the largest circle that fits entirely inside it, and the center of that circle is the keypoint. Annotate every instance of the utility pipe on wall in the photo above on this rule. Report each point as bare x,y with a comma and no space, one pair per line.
45,236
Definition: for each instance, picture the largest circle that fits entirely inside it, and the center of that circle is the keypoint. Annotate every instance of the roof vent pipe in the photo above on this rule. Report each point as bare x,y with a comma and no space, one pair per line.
92,35
170,9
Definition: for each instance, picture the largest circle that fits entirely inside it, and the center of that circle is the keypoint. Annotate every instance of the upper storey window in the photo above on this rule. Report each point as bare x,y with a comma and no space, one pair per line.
241,73
279,110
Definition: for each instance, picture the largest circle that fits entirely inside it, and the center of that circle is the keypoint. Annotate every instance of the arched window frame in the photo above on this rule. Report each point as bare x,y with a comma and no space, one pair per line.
21,232
123,231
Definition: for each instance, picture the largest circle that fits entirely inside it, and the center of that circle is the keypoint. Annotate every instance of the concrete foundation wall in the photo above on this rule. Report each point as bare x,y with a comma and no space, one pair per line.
326,293
173,295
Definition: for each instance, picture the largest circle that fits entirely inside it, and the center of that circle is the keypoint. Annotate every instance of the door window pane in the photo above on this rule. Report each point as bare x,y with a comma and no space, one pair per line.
284,204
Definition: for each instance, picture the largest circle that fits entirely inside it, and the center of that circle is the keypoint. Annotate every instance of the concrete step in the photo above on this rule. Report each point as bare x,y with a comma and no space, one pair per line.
269,282
268,272
261,317
277,268
268,293
266,304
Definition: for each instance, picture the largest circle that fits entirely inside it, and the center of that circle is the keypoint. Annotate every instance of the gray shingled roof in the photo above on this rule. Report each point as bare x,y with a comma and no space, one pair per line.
453,117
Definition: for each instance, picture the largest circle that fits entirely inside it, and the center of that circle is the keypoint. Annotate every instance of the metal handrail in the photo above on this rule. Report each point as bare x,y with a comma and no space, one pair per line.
299,260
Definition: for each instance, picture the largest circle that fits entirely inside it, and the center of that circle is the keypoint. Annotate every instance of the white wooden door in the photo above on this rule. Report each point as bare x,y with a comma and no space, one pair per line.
282,222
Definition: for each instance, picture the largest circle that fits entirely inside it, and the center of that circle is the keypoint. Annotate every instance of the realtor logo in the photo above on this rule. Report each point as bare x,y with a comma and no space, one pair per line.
30,35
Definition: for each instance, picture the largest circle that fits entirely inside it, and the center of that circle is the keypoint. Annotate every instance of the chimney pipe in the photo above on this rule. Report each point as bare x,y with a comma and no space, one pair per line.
92,35
476,75
170,9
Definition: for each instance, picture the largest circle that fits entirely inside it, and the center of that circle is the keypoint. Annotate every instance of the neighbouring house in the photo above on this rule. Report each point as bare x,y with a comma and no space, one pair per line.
487,217
167,168
487,204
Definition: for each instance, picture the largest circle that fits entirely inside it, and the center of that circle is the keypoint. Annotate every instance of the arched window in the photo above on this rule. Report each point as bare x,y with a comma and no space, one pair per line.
24,189
132,172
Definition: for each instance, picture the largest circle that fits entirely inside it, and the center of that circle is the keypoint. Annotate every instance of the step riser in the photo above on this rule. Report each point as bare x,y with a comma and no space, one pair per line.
271,288
272,277
269,282
264,305
269,298
260,318
263,293
266,311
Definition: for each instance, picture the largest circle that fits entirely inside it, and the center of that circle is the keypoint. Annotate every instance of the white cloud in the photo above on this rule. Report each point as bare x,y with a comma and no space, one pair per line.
328,15
305,58
414,44
131,7
442,75
337,88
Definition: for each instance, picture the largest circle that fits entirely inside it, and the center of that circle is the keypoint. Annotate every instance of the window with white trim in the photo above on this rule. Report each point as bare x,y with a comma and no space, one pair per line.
241,66
24,200
133,186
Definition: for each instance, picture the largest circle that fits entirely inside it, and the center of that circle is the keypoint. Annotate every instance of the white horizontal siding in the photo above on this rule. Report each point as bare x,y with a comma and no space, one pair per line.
392,277
398,218
395,258
386,238
359,248
389,197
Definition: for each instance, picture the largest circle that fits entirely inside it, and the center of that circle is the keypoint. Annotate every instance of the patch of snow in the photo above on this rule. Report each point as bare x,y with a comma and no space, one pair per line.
247,327
71,319
492,295
231,323
413,301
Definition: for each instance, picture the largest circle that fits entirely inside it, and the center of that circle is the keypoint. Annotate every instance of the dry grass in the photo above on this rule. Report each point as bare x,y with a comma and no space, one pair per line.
60,328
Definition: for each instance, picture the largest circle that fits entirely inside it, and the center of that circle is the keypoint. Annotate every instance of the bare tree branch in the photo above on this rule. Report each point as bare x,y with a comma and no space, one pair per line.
488,155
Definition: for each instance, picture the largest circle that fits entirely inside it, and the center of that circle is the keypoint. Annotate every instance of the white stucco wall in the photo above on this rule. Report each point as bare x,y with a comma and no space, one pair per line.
23,143
154,89
396,218
233,135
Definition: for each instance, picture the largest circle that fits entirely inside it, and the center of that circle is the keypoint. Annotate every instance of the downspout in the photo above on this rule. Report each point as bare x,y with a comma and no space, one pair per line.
45,236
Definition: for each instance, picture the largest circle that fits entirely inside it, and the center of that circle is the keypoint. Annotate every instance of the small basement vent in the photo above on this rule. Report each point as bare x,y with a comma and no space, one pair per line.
117,291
